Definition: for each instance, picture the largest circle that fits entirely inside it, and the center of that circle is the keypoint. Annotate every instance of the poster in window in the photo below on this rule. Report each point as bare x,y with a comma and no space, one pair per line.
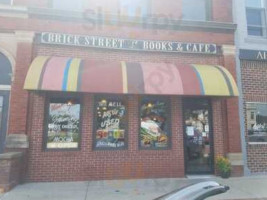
63,125
154,124
257,122
111,123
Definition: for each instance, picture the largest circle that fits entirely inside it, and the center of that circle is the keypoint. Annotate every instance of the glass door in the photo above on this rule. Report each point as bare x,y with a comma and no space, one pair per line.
3,117
198,140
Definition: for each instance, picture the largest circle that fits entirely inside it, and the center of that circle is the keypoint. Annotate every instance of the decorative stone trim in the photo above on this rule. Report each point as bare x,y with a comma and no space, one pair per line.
229,50
17,141
10,155
236,159
25,36
14,11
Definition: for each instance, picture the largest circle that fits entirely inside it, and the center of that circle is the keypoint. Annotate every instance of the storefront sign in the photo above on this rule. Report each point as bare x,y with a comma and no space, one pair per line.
253,55
126,44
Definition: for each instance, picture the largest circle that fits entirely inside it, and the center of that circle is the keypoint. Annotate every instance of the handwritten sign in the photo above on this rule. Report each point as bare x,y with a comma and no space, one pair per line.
63,126
111,117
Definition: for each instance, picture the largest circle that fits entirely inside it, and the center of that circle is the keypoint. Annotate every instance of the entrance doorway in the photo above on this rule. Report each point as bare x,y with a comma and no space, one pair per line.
198,137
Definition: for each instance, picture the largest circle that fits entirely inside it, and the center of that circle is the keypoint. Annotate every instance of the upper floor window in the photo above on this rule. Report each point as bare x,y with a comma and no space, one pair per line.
256,17
199,10
134,8
75,5
7,2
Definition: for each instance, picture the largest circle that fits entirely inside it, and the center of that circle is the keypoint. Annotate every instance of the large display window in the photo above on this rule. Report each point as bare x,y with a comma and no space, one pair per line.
257,122
155,123
62,128
110,127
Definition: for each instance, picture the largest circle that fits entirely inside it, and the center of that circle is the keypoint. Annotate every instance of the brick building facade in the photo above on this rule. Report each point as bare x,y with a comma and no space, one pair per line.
173,149
251,64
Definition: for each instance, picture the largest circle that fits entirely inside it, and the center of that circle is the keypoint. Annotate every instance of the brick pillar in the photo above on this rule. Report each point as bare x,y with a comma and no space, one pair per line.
218,128
17,138
232,109
19,96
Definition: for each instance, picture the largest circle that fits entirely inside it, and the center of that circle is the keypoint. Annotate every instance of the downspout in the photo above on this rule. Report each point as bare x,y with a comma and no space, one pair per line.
241,96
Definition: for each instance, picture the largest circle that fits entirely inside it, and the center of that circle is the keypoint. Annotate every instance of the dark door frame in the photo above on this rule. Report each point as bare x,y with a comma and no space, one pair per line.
186,102
4,120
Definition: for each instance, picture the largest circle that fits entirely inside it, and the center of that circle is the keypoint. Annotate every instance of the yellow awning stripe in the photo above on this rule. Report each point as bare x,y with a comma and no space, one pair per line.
213,81
73,75
35,72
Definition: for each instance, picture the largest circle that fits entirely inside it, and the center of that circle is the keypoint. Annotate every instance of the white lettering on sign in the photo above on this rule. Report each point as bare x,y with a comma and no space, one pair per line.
127,44
262,55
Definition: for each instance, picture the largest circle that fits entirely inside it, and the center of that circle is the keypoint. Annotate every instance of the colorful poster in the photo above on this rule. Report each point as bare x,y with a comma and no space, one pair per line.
63,126
154,127
111,124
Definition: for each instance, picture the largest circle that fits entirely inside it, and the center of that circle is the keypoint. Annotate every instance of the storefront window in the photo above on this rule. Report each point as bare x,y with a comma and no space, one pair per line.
111,123
155,123
257,122
63,127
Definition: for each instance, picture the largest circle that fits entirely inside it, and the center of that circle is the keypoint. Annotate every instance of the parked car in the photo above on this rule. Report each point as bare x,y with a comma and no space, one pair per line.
198,191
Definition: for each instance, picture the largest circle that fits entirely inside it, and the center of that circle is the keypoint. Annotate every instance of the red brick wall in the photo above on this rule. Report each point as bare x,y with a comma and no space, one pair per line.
254,85
131,56
10,173
88,164
19,97
222,10
218,127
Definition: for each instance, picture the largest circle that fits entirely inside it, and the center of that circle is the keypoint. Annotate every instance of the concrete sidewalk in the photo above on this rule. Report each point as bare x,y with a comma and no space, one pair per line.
241,188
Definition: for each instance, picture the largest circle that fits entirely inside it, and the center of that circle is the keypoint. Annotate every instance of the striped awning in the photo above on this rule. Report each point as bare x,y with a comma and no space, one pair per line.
92,76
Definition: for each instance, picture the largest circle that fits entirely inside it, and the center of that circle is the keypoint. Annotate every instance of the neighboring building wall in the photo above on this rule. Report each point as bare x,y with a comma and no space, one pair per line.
252,77
254,82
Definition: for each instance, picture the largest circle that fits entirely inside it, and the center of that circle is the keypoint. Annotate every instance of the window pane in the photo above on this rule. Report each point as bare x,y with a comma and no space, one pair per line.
5,2
254,17
254,3
257,127
155,123
191,6
68,5
111,123
5,70
134,7
256,31
63,124
1,110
